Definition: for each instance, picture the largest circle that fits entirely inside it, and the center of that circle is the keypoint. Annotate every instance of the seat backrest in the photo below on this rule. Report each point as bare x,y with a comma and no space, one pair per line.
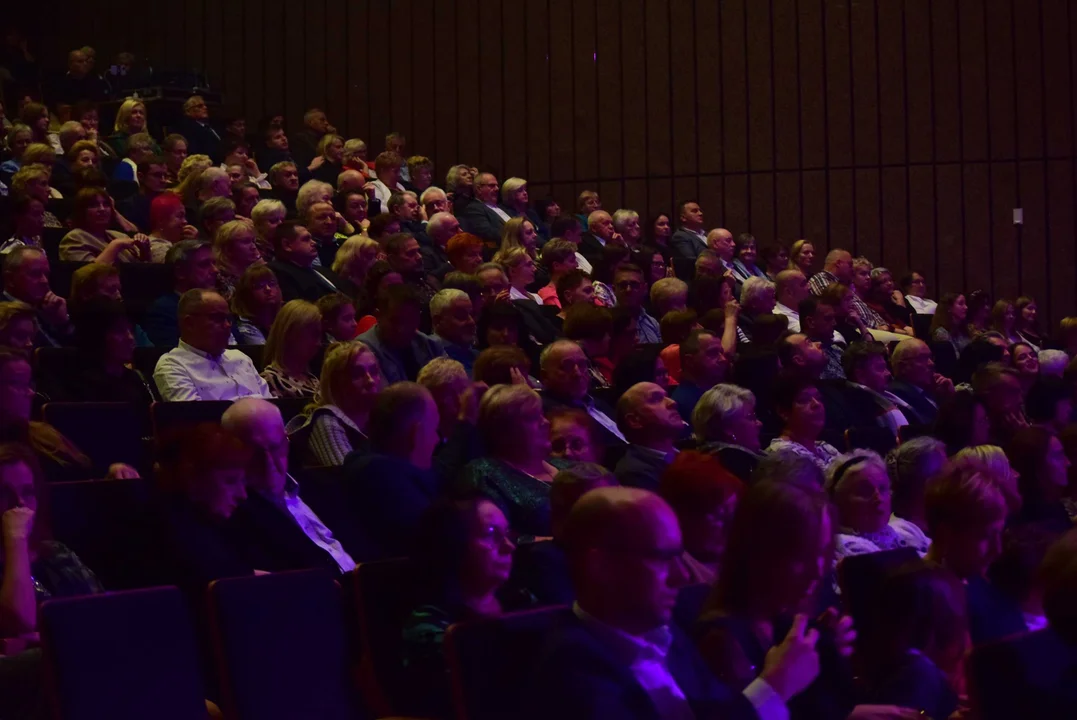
142,284
879,439
255,353
1032,675
170,415
290,407
125,656
324,490
146,359
491,659
860,577
385,594
281,648
50,240
104,523
107,432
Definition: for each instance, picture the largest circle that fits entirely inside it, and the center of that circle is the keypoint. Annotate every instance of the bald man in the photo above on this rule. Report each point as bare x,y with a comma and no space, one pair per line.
615,654
349,181
837,268
274,520
482,216
651,423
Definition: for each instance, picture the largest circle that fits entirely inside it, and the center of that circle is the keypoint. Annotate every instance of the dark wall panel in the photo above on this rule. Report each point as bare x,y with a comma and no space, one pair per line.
906,130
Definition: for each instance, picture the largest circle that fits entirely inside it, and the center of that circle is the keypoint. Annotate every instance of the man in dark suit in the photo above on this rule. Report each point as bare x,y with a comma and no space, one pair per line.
651,423
482,216
405,206
917,389
439,229
599,233
616,654
566,379
689,240
274,517
194,126
293,265
304,143
192,267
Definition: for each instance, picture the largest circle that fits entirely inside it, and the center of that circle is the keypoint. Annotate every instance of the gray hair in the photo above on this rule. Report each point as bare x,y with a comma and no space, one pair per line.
1053,362
878,272
784,466
192,300
429,193
851,464
181,252
433,225
443,299
140,141
549,350
716,407
441,371
213,207
754,289
311,192
510,186
70,132
264,208
621,218
912,464
452,179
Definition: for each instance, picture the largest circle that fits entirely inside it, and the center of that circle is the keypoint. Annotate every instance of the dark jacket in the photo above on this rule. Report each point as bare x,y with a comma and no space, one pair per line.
550,402
393,367
480,220
924,408
541,568
579,677
202,139
387,496
640,468
266,529
303,145
162,322
592,249
916,683
299,283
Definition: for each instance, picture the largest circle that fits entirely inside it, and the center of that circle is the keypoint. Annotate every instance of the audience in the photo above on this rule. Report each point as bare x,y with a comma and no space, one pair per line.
703,365
293,342
26,280
650,423
725,424
1040,463
295,252
911,466
192,267
396,341
803,415
255,303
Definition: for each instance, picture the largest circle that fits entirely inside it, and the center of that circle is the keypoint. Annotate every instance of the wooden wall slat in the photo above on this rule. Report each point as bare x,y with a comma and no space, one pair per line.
515,110
972,41
1000,78
812,85
336,69
1057,92
249,71
895,221
839,120
977,207
922,227
786,87
814,192
359,77
468,78
734,90
708,87
488,111
562,121
945,81
314,81
426,72
1028,52
737,216
892,81
683,89
611,100
398,74
918,85
584,89
787,207
841,205
949,252
868,240
710,196
866,89
213,23
1004,247
293,40
659,122
1060,232
760,96
634,81
272,58
1035,275
762,211
538,95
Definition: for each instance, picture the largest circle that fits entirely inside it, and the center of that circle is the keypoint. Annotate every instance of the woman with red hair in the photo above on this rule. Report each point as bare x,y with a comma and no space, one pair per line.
704,496
168,225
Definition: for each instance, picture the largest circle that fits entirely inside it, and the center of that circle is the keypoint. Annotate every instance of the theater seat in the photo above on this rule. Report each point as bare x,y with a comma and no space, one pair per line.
879,439
860,576
385,595
167,416
142,284
124,656
50,240
146,358
281,647
104,523
1033,675
60,274
106,432
491,659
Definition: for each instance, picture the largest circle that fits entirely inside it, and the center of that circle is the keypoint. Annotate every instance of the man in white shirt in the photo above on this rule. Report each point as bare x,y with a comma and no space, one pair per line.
790,287
617,654
202,367
387,168
259,424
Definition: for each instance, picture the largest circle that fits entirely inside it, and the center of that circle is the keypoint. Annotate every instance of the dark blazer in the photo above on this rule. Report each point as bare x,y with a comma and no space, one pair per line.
925,411
480,220
423,349
435,262
265,529
201,139
578,677
535,321
686,244
591,248
162,323
640,468
550,402
541,569
303,283
387,496
916,683
303,145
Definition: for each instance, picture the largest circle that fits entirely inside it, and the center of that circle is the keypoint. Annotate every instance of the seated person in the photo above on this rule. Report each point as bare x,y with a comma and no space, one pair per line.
463,557
1040,463
862,401
294,341
566,383
704,364
140,147
152,182
274,518
803,415
704,497
28,223
337,422
202,367
725,424
295,252
210,215
393,482
26,280
33,567
400,347
501,365
591,327
105,338
859,484
338,318
192,269
91,240
458,411
515,473
167,225
18,326
912,465
573,436
453,322
255,303
235,248
649,421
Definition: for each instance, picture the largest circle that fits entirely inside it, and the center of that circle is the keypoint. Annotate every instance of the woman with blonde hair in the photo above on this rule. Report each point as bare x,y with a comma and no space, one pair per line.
267,215
293,342
354,158
335,424
520,232
18,326
353,261
255,303
189,177
131,119
520,270
235,248
1003,320
802,257
992,463
19,137
331,157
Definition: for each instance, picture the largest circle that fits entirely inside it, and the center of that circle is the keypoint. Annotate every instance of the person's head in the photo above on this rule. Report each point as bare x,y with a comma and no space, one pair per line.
720,244
574,287
295,336
817,319
999,389
1025,361
1053,363
320,219
351,378
174,148
493,281
404,256
564,367
189,176
913,363
519,232
404,422
1059,573
591,326
94,280
192,265
379,278
257,295
387,168
966,514
19,137
624,546
865,363
267,215
911,466
566,227
991,461
861,276
295,244
71,132
207,466
1003,316
245,196
404,206
399,316
331,148
647,415
83,154
512,423
78,64
214,213
85,113
1049,403
495,365
22,484
745,249
29,216
434,201
690,215
573,436
235,246
703,495
669,295
962,422
1026,314
757,296
26,274
104,332
275,137
790,288
1037,456
799,405
459,180
558,258
600,223
131,117
447,380
16,388
588,202
839,263
214,183
785,526
462,551
311,193
452,316
627,223
196,108
32,180
703,362
18,326
774,258
205,321
726,414
338,316
859,484
35,116
284,176
355,257
464,251
951,314
629,287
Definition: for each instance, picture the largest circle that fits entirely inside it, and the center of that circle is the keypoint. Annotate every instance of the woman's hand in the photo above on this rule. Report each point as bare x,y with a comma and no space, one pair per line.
16,524
54,309
732,310
842,628
898,298
316,163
